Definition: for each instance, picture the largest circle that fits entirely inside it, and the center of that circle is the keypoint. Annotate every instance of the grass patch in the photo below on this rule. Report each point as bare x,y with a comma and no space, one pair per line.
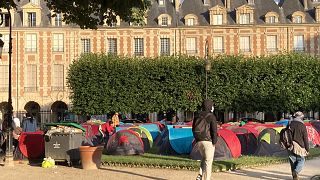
151,160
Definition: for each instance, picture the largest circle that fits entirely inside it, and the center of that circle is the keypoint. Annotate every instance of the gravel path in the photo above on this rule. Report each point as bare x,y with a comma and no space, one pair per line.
27,172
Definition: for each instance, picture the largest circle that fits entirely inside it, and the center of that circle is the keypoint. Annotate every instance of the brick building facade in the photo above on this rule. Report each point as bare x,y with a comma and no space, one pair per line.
43,46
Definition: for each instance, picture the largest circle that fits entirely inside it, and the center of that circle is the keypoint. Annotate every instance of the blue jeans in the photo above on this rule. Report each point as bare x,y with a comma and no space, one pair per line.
296,163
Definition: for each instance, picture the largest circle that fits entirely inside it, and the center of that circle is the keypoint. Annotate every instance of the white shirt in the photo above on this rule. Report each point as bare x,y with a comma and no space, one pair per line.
16,122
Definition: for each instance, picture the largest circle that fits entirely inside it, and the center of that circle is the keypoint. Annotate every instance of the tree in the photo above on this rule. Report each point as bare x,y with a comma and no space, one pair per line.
89,14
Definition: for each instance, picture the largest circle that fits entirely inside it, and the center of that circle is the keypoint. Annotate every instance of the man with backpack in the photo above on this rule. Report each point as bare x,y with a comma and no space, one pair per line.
300,144
204,129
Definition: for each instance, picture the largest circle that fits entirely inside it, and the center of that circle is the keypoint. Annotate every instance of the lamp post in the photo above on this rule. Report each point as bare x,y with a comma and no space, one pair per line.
9,154
207,65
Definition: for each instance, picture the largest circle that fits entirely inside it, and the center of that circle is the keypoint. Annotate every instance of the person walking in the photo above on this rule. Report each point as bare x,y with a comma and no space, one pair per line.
204,129
300,144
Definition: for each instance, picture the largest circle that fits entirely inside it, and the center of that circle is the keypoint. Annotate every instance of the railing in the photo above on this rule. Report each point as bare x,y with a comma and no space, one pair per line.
299,49
30,89
191,52
272,49
218,50
57,88
245,50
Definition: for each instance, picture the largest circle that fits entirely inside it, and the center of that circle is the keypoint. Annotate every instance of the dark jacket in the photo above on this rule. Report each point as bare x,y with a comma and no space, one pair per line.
300,134
209,127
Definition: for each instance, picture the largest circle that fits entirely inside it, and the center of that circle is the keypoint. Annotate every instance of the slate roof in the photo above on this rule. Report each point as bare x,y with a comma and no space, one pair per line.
285,8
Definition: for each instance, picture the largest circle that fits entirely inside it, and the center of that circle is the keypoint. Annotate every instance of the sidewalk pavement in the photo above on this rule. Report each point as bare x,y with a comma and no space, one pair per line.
27,172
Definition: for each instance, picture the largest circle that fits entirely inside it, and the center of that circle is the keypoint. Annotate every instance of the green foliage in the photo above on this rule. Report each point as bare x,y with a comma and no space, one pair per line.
90,14
101,83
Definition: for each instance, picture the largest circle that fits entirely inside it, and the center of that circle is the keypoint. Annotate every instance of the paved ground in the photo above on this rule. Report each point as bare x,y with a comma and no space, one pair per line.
27,172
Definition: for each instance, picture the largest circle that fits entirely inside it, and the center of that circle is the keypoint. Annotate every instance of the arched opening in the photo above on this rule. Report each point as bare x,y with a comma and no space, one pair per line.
33,108
59,110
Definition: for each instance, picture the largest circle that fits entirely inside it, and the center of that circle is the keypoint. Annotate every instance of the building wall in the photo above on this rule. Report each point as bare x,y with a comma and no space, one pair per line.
44,58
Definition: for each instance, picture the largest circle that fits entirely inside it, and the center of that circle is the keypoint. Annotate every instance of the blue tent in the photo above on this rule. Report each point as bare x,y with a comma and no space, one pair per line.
283,122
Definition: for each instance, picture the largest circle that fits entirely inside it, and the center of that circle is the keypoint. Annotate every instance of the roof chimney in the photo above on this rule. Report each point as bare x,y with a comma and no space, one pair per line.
227,4
305,4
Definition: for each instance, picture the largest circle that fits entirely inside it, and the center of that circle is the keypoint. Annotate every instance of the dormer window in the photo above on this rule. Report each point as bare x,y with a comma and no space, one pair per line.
245,18
164,20
113,23
31,15
317,14
32,19
298,17
245,14
218,15
58,20
191,20
206,2
161,2
271,18
5,18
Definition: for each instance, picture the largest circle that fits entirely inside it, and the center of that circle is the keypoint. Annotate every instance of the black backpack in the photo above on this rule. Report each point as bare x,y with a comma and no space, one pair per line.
199,127
286,138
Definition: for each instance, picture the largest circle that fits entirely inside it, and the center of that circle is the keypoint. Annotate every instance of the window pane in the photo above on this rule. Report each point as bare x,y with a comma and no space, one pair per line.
58,20
31,78
245,18
31,43
86,45
217,19
32,19
191,46
112,45
138,46
272,43
298,43
164,21
58,42
58,77
245,44
218,44
165,46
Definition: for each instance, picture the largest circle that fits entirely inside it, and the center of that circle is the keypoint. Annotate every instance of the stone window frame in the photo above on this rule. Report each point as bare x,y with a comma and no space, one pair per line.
269,15
218,10
30,8
245,9
52,20
191,16
162,16
296,14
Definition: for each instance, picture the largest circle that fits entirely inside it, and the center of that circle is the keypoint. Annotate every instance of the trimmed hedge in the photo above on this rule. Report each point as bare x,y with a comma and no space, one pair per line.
100,83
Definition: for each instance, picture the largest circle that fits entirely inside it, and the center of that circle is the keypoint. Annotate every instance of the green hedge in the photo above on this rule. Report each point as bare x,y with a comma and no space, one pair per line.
100,83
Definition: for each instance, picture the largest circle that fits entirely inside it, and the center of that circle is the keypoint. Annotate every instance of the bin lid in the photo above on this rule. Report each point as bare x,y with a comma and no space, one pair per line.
72,124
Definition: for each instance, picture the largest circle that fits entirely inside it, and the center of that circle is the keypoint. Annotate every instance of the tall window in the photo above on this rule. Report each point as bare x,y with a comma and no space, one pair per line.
191,46
58,44
31,43
190,22
112,45
86,45
245,44
58,77
298,43
4,78
217,19
165,46
272,43
138,47
245,18
5,20
32,19
164,21
58,20
5,39
218,44
31,78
